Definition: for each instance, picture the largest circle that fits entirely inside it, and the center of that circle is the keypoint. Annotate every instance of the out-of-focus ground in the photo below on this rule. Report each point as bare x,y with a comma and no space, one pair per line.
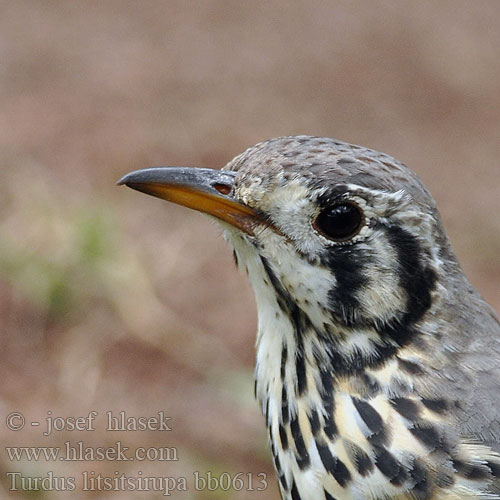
111,300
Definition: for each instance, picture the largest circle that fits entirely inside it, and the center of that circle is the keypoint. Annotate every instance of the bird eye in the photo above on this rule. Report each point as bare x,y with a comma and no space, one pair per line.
340,222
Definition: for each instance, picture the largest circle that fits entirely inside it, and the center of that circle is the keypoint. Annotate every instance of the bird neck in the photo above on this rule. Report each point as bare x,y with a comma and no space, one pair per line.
323,389
312,403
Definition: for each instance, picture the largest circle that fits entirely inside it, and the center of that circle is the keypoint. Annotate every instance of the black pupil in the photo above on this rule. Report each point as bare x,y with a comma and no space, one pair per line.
340,222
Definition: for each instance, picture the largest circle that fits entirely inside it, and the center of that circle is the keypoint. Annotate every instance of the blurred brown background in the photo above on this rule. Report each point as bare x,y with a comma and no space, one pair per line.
111,300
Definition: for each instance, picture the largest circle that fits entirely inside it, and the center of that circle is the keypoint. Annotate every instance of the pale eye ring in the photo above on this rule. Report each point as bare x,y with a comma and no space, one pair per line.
340,222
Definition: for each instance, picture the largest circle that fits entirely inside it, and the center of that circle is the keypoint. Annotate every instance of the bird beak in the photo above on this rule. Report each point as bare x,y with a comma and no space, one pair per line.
203,189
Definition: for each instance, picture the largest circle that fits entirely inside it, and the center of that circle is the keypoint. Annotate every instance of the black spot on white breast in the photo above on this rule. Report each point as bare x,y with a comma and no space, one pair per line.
314,422
429,436
294,492
390,466
406,407
359,458
285,413
303,460
283,437
439,405
374,422
327,395
333,465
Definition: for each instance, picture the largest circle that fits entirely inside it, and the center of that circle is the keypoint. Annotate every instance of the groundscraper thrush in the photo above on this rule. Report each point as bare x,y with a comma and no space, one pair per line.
378,364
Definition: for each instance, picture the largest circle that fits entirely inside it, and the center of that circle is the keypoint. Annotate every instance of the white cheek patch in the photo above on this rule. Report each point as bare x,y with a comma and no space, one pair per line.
383,295
293,212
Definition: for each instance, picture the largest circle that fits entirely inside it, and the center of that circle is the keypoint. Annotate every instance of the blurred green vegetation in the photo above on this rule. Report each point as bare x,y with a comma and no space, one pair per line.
63,286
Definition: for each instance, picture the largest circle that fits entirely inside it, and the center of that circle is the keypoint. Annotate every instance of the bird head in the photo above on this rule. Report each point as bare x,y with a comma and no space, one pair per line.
364,314
348,235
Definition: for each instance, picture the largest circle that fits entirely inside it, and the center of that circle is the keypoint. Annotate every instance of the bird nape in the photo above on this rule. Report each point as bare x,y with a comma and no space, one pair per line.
378,364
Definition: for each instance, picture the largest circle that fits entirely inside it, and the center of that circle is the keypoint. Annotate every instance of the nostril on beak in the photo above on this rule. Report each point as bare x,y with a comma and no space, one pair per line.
222,188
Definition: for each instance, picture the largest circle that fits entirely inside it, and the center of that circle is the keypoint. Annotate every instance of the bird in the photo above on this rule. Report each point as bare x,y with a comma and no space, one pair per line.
377,362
